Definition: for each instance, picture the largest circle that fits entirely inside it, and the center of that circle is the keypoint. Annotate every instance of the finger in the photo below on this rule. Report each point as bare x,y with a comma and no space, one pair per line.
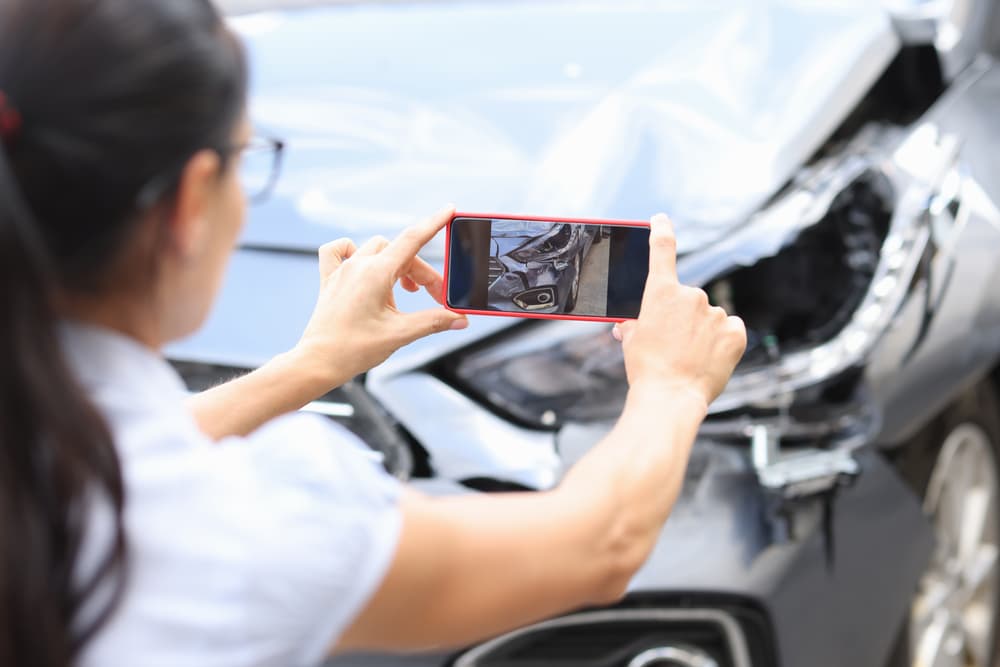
436,292
408,284
372,246
616,333
333,254
427,276
422,273
662,249
424,323
406,246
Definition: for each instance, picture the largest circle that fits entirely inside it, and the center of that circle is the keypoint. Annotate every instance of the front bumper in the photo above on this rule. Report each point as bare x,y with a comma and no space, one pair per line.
531,288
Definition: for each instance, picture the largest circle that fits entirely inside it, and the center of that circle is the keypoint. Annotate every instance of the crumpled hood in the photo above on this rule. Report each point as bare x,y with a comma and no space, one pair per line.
518,229
589,108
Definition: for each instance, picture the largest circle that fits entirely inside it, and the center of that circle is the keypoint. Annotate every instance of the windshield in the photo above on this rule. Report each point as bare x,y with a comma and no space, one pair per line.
592,108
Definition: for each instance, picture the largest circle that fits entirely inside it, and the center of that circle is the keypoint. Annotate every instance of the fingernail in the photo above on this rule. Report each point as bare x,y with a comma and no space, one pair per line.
458,325
616,333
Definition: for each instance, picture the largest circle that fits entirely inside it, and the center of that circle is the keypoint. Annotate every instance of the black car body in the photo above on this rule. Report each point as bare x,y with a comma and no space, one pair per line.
536,267
832,172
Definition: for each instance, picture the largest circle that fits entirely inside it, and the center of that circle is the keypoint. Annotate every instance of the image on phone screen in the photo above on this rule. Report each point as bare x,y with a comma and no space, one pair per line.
543,267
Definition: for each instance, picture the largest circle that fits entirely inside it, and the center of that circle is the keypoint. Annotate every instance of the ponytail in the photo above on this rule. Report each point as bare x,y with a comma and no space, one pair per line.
110,96
56,459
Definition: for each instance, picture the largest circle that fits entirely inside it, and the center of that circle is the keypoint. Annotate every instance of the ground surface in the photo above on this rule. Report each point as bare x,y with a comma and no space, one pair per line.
593,299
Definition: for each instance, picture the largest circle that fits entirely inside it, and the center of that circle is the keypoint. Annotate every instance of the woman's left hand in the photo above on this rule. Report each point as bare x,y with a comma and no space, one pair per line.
356,324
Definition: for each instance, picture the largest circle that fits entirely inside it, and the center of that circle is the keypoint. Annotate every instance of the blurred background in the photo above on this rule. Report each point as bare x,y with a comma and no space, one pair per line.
831,167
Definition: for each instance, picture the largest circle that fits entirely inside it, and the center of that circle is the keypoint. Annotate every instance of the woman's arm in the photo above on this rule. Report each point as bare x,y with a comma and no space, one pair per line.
239,407
355,326
468,568
473,566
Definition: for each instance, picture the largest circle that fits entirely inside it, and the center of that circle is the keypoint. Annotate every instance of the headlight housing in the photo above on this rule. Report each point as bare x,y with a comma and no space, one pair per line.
571,372
546,247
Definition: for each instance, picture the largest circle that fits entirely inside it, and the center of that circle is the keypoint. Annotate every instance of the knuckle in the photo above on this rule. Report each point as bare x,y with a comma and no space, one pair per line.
696,296
664,240
329,248
665,285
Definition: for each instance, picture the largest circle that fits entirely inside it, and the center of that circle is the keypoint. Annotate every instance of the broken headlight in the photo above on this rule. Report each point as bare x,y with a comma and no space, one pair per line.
554,243
543,374
806,293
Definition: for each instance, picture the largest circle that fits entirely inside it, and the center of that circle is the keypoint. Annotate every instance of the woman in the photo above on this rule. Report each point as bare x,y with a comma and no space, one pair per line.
140,528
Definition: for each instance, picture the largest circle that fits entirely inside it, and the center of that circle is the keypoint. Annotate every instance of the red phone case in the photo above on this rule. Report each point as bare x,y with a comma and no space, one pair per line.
535,316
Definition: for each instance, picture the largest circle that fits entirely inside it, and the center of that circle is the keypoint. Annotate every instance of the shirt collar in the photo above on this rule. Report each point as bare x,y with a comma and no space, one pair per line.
102,358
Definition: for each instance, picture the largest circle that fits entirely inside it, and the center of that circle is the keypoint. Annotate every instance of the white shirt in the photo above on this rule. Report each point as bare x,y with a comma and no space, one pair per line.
252,551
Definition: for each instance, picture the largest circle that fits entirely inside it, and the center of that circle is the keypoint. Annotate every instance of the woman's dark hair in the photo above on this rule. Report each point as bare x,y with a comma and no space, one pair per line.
112,99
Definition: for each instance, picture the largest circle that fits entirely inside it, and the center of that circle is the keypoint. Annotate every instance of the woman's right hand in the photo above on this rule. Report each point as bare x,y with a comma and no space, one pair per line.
679,342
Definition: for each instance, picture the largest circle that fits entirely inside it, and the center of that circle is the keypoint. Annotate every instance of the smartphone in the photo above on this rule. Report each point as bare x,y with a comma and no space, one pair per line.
553,268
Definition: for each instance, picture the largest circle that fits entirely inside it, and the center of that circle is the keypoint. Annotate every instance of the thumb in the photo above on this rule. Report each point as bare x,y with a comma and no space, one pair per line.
426,322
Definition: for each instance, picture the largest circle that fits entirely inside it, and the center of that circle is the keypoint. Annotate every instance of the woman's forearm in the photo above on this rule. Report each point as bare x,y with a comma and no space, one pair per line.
469,567
285,384
630,481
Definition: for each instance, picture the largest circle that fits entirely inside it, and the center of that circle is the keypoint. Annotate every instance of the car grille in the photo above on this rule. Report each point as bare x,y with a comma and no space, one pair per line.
613,638
496,269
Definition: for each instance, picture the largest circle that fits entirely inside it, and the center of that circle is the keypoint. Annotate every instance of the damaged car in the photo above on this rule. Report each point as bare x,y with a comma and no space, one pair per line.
536,267
831,168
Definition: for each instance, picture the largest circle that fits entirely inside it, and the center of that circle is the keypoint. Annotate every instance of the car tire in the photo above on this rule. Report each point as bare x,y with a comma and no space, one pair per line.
574,290
968,432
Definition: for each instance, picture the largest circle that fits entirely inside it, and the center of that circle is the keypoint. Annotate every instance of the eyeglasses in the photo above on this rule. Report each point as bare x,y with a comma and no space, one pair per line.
260,161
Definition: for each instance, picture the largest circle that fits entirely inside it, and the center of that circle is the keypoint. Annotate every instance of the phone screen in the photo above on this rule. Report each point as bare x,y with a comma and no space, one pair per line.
547,268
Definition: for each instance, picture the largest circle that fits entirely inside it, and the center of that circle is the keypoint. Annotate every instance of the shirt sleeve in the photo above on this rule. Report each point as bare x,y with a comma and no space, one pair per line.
329,530
252,551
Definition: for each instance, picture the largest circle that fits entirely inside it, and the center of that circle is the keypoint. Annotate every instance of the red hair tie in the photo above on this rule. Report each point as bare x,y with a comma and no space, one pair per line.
10,119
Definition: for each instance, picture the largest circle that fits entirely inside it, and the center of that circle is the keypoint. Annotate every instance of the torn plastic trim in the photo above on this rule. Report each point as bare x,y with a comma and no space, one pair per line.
957,29
845,427
822,455
915,167
808,472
